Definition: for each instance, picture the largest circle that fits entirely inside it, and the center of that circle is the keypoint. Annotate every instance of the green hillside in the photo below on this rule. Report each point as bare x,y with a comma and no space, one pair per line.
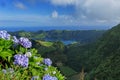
101,60
106,58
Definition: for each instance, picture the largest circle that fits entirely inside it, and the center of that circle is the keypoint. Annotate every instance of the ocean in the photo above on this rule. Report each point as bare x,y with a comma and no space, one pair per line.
46,28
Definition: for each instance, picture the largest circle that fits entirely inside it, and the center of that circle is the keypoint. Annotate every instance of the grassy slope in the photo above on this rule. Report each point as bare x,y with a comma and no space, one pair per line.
45,43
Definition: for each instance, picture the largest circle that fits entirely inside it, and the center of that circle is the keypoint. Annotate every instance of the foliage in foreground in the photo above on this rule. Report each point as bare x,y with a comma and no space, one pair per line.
18,61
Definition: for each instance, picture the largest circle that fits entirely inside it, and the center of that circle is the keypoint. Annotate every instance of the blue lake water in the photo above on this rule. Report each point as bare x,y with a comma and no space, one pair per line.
65,42
68,42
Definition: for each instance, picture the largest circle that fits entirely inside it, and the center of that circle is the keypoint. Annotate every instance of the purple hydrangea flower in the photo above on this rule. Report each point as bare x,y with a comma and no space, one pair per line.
15,39
21,60
25,42
47,61
4,35
48,77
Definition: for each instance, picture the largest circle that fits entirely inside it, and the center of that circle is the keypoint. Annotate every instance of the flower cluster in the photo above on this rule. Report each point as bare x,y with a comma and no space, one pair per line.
48,77
4,35
25,42
22,60
23,57
47,61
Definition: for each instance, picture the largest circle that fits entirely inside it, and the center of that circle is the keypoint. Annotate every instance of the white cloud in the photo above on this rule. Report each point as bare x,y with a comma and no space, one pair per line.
54,14
63,2
102,11
20,5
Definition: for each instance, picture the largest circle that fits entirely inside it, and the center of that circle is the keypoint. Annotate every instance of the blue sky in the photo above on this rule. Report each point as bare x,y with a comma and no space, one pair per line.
59,12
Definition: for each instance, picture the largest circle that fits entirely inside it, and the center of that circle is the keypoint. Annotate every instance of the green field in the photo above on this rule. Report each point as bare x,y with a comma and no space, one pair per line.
45,43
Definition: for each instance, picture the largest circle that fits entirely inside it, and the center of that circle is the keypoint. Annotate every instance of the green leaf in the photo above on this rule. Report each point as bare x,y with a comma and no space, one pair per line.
5,54
22,49
33,51
7,44
9,58
1,48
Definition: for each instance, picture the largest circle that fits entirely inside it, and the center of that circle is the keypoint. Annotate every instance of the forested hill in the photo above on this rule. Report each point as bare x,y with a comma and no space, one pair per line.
83,36
105,58
100,60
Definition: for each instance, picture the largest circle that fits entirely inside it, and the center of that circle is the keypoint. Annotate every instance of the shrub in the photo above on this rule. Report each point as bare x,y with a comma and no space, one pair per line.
18,61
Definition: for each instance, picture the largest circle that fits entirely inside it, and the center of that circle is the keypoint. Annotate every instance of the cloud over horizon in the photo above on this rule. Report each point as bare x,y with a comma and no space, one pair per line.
97,10
61,12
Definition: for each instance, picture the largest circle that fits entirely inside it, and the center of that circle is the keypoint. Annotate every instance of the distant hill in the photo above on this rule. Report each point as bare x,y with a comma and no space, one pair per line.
82,36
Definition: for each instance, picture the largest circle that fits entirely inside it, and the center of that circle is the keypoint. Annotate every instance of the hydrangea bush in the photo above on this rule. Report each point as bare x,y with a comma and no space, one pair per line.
18,61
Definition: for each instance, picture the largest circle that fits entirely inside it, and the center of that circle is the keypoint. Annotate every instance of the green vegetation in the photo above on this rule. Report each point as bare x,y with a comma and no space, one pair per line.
67,71
18,61
97,53
40,36
45,43
100,60
106,56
